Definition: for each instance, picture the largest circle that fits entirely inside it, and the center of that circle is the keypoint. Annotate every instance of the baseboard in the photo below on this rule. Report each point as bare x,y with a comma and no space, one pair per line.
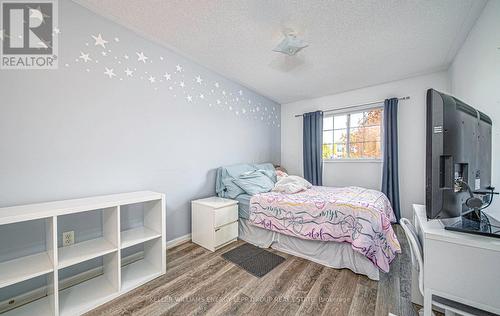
40,292
178,241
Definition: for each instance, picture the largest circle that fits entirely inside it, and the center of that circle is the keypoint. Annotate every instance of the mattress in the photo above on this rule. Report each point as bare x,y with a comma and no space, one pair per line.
330,254
356,216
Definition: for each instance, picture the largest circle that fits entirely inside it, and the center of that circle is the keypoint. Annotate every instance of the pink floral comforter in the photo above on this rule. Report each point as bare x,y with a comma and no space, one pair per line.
355,215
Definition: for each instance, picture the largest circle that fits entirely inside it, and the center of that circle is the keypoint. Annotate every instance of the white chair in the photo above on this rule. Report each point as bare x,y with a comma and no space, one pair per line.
417,261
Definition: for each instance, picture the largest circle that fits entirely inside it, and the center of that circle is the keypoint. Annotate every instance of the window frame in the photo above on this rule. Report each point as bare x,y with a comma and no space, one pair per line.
348,128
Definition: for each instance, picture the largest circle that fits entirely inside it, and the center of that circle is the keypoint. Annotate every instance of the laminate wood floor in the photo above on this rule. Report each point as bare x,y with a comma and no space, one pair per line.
199,282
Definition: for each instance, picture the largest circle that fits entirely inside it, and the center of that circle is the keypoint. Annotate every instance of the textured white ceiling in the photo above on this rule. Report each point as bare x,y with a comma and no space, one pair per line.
353,43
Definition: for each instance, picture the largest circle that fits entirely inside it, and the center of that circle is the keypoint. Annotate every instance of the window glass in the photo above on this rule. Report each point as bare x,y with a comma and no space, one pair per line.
355,135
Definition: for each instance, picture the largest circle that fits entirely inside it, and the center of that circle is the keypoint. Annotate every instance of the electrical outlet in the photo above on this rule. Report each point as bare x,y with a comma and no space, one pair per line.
68,238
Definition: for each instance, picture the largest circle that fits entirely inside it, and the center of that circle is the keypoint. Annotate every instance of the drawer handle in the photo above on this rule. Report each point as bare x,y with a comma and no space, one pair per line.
217,229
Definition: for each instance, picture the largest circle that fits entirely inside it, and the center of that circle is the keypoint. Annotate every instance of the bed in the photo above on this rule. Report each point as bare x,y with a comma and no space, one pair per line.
337,227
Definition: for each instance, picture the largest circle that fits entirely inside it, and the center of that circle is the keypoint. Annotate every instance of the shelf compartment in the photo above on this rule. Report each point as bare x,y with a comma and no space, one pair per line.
138,272
145,269
137,235
98,238
24,268
84,296
84,251
140,222
33,296
41,307
34,257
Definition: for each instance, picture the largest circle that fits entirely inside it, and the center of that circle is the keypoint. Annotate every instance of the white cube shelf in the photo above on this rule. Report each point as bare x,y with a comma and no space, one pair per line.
115,278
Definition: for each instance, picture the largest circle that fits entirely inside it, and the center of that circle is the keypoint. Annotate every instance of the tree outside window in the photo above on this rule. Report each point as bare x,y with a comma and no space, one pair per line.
354,135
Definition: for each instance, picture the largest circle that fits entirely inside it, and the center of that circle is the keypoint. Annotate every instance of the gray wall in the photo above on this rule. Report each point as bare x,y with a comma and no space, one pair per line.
475,79
74,132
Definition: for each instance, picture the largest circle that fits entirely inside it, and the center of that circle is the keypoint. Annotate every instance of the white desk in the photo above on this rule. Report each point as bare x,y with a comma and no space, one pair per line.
461,267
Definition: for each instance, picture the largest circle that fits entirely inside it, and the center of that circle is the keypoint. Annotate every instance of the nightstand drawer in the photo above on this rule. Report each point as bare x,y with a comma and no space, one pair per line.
225,215
226,233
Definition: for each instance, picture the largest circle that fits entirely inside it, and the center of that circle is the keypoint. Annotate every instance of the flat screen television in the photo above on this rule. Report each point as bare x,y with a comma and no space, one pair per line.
458,162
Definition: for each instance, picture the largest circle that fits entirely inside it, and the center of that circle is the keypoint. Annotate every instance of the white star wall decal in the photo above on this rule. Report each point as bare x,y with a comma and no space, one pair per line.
141,57
213,93
109,72
84,57
99,41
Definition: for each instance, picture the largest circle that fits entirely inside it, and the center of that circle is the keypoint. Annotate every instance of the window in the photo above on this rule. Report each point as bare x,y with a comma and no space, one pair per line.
353,135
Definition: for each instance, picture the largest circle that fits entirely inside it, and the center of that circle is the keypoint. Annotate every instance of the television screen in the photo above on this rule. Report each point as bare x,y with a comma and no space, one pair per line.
458,151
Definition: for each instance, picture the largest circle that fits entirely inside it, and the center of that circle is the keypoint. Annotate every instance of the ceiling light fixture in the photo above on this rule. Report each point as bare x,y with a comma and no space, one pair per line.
290,45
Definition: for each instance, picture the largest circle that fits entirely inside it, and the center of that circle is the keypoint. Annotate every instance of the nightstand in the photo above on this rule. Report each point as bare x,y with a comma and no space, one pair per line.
214,222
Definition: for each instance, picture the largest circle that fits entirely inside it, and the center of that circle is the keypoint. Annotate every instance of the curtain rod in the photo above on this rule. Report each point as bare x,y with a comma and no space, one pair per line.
356,105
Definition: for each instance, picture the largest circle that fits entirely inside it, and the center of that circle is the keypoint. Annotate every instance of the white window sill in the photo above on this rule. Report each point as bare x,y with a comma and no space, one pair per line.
353,160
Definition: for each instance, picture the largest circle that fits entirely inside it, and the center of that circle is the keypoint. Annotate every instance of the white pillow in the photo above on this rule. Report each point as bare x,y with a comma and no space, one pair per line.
291,184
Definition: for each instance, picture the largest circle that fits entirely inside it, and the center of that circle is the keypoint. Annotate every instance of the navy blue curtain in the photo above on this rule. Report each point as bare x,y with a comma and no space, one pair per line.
313,147
390,173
